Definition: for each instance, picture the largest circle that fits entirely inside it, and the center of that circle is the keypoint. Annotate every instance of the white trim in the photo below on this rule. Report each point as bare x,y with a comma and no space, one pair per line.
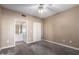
14,30
27,31
62,45
7,47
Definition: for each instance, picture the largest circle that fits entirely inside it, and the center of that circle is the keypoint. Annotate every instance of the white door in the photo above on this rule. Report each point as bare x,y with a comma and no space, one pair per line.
36,31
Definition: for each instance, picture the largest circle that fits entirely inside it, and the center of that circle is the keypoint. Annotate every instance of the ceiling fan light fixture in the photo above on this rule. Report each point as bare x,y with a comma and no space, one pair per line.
40,8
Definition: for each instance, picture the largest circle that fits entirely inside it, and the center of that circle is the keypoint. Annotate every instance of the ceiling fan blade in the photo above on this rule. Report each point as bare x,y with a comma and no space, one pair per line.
51,9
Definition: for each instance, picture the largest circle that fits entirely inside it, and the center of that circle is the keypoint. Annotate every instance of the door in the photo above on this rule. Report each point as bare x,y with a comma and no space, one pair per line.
36,31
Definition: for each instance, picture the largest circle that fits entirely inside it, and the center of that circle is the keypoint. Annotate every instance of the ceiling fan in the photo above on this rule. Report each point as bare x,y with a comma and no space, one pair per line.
41,7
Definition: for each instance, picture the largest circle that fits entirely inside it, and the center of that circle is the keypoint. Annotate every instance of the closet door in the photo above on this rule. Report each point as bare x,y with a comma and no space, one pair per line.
36,31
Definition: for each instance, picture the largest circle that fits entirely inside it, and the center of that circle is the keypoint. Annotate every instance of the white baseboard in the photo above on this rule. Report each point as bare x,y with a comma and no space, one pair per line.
62,45
0,49
7,47
32,42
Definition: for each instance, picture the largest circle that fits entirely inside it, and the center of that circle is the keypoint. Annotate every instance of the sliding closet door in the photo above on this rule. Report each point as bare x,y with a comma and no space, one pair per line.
36,31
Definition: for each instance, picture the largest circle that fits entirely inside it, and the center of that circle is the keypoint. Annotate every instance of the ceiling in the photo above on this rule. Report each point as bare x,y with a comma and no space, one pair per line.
32,9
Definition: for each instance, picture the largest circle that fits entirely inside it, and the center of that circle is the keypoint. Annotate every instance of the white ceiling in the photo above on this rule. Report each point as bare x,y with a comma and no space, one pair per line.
32,9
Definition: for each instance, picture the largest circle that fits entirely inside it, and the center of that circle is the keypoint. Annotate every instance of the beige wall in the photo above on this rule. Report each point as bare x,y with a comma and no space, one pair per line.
0,27
7,26
63,27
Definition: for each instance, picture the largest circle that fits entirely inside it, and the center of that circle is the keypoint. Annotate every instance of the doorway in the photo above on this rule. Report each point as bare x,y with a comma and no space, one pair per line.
20,32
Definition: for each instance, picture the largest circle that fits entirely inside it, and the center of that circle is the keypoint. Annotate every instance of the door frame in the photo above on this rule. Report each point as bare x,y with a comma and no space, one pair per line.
15,22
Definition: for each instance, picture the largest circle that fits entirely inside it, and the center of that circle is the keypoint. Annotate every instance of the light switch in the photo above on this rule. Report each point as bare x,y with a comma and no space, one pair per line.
7,41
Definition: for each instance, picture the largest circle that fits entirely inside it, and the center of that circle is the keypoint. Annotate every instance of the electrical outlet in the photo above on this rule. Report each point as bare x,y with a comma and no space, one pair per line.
63,40
70,41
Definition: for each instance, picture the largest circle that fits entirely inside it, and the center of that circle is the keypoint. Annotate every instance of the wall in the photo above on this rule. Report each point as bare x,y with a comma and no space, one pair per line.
63,27
0,27
7,26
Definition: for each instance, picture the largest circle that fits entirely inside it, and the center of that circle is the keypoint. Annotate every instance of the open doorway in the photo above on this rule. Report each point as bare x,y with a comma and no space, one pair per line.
20,32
